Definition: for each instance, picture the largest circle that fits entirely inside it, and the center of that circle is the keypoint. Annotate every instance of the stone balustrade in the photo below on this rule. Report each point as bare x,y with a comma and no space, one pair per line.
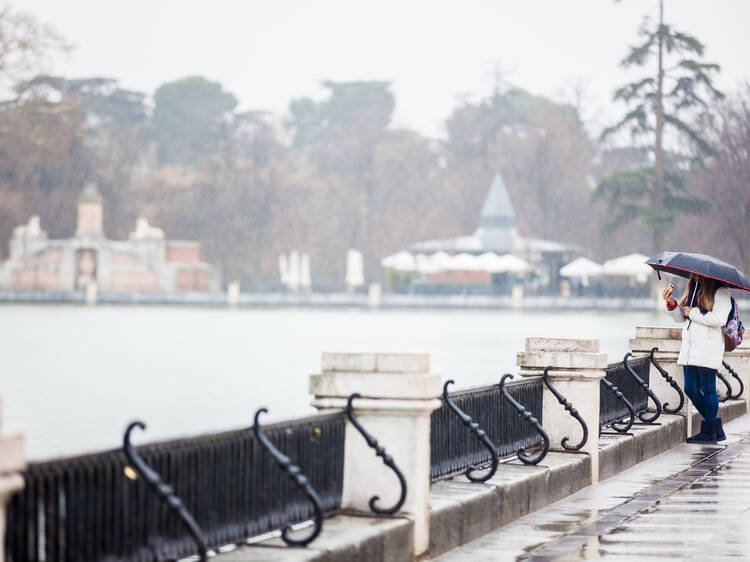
398,393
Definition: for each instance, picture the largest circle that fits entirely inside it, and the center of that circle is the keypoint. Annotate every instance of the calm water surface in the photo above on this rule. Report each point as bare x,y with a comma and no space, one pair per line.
72,377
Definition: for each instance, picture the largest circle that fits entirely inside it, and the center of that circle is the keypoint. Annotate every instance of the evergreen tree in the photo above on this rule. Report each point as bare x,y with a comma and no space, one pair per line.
680,90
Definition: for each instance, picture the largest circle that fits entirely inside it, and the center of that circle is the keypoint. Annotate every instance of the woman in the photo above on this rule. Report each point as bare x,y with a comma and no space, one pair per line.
704,308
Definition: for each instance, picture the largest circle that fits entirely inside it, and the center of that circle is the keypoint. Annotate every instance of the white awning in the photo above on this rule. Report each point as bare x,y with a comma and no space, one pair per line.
582,267
632,265
440,260
507,263
465,262
402,261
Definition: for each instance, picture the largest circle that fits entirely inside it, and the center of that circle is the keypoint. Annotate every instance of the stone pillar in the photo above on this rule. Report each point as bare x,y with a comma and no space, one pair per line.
398,396
668,340
577,367
12,461
739,360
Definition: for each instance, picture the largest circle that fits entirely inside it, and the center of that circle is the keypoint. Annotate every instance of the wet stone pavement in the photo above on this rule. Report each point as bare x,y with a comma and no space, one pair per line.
690,503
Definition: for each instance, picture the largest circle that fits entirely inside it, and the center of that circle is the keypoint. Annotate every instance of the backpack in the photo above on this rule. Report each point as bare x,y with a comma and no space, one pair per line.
733,330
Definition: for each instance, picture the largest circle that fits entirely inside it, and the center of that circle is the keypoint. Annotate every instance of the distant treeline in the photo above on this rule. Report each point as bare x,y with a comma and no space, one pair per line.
334,173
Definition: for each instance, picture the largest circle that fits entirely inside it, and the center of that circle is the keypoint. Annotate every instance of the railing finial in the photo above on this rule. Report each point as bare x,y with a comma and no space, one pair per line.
644,386
736,376
294,472
479,433
529,417
571,410
164,491
723,379
671,382
387,460
616,425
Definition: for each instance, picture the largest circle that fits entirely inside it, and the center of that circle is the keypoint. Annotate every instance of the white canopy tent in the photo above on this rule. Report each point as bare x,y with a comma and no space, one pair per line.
632,265
402,261
464,262
508,263
425,265
582,267
440,260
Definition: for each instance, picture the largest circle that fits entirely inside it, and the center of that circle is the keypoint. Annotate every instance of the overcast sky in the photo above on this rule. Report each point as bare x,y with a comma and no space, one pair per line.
434,52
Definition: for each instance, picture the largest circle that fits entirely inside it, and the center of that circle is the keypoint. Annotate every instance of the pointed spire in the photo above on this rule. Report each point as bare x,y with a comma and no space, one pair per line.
497,211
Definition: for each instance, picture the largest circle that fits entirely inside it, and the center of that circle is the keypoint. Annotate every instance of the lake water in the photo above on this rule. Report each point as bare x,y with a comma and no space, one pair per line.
72,377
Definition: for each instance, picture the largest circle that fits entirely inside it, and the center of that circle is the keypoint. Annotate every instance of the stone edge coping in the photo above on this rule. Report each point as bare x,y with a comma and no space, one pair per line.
344,538
461,511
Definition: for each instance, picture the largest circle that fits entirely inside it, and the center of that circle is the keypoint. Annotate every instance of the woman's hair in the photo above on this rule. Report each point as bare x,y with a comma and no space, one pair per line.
707,288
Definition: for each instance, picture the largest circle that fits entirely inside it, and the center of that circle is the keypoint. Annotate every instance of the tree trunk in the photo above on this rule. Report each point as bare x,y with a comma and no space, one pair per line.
658,202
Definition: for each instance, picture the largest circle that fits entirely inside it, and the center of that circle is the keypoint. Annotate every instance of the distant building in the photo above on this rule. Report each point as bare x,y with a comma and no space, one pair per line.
146,262
497,233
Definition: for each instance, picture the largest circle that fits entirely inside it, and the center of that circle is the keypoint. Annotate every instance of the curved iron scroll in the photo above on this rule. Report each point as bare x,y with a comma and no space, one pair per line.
387,460
298,478
616,425
728,395
671,382
529,417
736,376
573,412
644,386
478,433
164,491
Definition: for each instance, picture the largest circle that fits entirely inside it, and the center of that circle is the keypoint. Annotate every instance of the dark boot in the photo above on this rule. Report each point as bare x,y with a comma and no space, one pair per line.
720,435
707,433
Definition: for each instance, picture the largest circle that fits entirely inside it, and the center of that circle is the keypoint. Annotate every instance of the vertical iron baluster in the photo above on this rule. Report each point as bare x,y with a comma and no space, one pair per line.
479,433
671,382
528,417
573,412
164,491
723,379
387,460
644,386
294,472
736,376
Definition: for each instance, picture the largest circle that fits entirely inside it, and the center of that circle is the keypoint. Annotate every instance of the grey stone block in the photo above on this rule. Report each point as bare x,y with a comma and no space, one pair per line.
344,538
524,489
569,472
473,509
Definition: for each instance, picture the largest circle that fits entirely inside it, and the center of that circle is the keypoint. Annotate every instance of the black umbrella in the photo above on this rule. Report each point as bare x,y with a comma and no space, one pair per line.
684,263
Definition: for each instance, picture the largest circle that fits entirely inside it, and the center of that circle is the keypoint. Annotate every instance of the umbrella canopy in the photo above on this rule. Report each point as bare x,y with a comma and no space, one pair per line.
582,267
425,265
440,260
464,262
684,263
508,263
402,261
633,265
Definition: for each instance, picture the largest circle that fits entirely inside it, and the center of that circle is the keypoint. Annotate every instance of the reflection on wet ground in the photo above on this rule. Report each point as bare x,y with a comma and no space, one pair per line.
688,504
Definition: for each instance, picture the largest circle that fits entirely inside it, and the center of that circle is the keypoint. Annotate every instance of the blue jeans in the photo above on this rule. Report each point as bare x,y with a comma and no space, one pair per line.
700,386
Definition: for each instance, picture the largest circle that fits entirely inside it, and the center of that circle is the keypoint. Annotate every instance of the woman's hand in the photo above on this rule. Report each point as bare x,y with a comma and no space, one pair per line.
686,311
667,293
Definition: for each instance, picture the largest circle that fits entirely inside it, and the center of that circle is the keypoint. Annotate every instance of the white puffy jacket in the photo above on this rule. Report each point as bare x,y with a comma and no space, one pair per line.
702,338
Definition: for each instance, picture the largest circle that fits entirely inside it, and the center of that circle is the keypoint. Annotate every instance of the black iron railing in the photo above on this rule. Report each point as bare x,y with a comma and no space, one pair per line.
454,448
90,508
610,407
